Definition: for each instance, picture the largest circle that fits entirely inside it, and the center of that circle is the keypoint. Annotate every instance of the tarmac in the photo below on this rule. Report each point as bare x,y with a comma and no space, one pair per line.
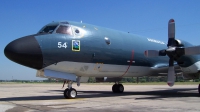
99,98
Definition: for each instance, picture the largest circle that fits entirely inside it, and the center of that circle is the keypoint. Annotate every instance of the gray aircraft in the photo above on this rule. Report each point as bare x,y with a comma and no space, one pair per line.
74,51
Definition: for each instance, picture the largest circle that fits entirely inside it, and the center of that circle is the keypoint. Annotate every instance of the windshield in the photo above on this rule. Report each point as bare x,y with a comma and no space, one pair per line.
64,29
48,29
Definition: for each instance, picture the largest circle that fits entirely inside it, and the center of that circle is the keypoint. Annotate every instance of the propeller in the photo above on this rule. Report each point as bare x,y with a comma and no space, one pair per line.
173,52
170,51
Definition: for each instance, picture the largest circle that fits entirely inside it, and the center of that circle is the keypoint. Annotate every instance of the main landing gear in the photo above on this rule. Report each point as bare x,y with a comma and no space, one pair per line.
118,88
70,92
199,89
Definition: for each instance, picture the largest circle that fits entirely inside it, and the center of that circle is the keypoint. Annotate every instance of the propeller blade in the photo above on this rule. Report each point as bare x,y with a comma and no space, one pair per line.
151,53
171,76
171,33
171,73
192,50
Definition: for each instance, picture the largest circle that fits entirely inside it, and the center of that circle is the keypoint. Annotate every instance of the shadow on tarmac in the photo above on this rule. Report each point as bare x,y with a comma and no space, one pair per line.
157,94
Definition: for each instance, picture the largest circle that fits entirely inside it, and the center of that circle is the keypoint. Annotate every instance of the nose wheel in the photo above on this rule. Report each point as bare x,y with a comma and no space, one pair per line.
118,88
70,92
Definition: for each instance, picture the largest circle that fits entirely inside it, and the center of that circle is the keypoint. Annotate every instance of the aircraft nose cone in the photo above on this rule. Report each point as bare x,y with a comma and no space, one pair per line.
25,51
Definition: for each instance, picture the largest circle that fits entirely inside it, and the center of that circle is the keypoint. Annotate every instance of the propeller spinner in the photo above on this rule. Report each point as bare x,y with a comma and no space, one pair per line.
173,52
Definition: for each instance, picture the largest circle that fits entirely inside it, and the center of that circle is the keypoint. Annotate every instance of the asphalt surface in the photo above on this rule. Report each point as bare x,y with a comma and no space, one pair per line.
99,98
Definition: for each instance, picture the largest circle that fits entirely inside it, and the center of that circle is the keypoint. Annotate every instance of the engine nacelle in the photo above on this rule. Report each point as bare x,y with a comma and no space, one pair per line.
179,43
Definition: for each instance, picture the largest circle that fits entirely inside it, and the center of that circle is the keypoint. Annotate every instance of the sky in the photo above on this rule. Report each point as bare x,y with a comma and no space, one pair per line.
148,18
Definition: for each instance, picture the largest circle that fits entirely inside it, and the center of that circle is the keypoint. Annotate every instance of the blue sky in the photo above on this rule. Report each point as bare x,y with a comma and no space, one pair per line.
147,18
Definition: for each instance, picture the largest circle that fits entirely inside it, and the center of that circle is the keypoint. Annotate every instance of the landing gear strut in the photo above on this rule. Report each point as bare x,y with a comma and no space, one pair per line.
199,89
118,88
70,92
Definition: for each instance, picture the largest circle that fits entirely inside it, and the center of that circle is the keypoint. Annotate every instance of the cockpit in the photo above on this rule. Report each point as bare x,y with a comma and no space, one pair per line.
62,28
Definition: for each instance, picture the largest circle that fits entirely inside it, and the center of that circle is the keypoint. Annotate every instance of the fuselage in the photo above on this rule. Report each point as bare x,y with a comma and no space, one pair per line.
88,50
94,49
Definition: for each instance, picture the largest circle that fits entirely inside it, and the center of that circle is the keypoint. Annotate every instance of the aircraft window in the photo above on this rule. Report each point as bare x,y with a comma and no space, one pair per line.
64,30
107,40
48,29
64,22
77,31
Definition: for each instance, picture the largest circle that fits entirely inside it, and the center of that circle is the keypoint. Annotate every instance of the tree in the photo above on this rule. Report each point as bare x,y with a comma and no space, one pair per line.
91,80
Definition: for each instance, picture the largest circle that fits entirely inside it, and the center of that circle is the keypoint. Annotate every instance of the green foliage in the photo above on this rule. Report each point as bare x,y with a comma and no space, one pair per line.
144,79
91,80
197,80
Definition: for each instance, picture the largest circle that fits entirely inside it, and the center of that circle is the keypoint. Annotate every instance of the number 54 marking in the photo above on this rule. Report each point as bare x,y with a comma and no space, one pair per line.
60,44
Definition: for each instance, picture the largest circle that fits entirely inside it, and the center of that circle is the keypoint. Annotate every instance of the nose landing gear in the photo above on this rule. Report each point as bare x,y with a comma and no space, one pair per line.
70,92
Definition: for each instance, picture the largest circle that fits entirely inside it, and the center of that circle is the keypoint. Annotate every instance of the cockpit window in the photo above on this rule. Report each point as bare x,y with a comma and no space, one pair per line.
48,29
64,29
64,22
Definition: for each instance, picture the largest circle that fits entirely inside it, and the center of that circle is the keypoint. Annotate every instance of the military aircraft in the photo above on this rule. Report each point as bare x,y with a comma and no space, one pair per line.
74,51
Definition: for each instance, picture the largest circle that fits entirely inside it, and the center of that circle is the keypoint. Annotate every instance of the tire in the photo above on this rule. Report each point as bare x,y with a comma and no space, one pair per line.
114,88
199,89
72,93
120,88
66,93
